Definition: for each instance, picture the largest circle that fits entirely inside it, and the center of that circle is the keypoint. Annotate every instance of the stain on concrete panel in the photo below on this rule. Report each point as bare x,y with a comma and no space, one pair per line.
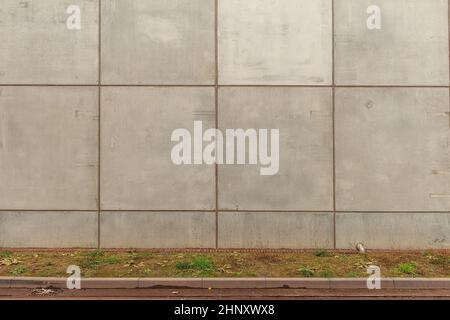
158,42
275,42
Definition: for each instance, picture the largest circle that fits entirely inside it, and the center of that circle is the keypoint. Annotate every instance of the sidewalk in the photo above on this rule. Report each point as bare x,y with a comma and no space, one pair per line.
226,283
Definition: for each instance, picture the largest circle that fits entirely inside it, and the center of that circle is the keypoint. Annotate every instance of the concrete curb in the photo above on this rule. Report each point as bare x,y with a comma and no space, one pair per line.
226,283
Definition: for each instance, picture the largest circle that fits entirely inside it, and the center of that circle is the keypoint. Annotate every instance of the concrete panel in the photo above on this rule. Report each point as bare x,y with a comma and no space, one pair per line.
393,230
305,177
48,229
158,42
48,148
296,230
275,42
411,48
137,170
157,229
392,149
38,48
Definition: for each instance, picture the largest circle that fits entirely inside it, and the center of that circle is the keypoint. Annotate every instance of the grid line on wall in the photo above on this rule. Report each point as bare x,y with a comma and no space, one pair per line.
99,190
333,121
224,210
223,86
216,106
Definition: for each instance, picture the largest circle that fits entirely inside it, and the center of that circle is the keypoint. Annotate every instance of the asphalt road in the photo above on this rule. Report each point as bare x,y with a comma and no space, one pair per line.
222,294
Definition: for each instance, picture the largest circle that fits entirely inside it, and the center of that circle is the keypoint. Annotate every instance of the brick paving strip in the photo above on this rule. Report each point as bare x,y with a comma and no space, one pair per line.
226,283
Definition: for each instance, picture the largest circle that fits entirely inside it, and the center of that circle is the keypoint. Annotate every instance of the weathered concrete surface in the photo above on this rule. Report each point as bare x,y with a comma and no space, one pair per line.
296,230
411,48
37,48
48,229
137,172
158,42
170,282
225,283
275,42
304,118
392,145
48,148
392,149
402,230
157,230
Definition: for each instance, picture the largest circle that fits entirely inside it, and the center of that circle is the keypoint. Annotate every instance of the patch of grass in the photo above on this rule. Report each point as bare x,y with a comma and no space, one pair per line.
353,274
323,253
18,271
97,258
306,272
94,254
6,254
183,265
326,274
111,259
132,263
202,265
407,268
92,259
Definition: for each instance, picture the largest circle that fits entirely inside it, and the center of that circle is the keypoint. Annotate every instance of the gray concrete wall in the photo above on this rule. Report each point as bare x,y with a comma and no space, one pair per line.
86,117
